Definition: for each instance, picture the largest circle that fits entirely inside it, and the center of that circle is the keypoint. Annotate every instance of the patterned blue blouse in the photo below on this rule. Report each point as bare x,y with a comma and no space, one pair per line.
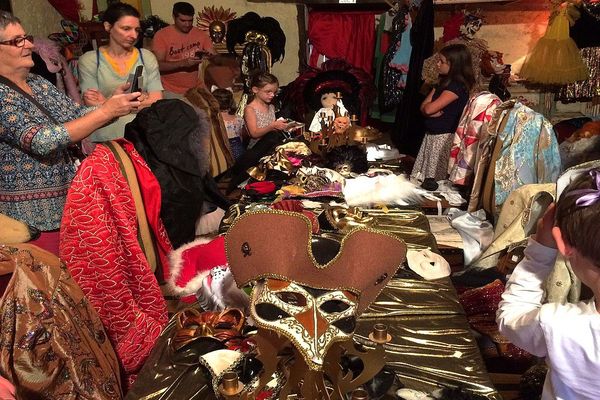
35,169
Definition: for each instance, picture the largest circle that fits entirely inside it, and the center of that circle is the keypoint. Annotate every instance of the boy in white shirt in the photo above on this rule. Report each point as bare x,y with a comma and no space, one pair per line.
568,335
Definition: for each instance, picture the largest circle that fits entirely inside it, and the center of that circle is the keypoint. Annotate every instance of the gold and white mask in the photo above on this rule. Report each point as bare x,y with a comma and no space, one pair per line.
312,319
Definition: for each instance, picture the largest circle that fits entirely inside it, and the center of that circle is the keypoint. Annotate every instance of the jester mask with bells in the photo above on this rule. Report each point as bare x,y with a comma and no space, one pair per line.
309,290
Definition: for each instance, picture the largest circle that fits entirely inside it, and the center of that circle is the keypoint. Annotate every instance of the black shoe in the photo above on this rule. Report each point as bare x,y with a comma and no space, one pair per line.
429,184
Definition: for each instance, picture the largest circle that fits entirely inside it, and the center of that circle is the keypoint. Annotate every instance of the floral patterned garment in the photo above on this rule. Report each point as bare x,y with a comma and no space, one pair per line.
35,168
529,151
52,343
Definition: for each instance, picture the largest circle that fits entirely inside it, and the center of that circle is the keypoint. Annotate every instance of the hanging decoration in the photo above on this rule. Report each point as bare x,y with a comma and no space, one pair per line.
461,28
68,9
555,59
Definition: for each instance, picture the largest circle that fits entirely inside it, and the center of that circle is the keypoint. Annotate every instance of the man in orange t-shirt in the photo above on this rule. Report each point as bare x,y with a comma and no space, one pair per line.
179,49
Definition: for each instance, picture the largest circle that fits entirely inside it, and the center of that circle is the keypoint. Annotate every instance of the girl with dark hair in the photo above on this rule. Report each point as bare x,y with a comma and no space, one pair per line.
443,108
234,124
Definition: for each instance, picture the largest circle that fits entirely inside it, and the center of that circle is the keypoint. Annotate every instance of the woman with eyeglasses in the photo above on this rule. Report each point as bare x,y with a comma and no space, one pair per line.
105,69
37,125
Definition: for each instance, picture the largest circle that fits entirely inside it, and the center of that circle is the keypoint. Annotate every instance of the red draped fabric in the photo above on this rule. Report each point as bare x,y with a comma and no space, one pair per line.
99,244
346,35
69,9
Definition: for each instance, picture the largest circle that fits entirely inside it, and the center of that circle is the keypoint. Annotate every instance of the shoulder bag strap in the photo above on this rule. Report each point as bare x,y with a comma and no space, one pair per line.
29,97
145,238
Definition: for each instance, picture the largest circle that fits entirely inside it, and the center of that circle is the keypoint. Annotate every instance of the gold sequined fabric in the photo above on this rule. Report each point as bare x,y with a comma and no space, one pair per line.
52,342
589,88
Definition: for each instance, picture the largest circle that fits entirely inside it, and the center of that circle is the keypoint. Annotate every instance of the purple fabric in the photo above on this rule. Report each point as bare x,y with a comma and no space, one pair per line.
588,196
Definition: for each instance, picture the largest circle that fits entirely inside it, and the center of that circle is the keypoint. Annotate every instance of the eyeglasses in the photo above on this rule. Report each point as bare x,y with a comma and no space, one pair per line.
18,41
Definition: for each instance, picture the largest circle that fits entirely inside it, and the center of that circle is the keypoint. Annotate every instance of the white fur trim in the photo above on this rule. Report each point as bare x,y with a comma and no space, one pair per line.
176,261
390,189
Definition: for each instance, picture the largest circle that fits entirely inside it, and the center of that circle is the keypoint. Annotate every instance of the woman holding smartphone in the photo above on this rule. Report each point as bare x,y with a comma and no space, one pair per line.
109,69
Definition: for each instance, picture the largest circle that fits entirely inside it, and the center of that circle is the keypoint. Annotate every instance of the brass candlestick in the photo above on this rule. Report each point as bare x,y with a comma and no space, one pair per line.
360,394
380,334
230,386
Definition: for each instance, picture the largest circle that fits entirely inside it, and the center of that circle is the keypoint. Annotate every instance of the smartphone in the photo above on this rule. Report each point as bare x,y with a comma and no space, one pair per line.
136,79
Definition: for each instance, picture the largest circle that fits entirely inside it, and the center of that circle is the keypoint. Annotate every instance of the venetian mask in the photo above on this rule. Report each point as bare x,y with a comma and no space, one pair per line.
341,124
328,100
313,319
428,264
309,290
471,26
217,30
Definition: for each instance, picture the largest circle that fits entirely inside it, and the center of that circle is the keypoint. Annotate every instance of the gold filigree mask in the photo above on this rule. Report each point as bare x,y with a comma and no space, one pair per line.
313,319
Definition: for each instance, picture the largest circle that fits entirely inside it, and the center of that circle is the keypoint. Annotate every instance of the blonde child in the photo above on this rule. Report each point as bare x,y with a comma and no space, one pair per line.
259,114
568,335
234,124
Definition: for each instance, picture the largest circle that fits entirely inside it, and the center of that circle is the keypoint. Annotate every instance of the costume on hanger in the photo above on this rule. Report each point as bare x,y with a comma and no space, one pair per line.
409,122
207,107
107,259
478,111
529,152
586,34
519,147
347,35
56,65
52,343
396,60
555,59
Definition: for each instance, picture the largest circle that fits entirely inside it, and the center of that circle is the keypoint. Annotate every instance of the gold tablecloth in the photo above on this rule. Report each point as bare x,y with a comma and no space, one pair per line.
431,345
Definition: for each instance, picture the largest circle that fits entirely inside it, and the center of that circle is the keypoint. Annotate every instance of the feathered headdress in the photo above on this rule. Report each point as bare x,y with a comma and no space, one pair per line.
210,14
268,26
335,75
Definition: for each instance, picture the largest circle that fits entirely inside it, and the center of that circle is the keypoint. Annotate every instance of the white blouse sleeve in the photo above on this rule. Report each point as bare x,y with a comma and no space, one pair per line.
518,315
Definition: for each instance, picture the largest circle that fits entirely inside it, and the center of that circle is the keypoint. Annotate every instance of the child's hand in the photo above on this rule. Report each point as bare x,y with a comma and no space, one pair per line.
93,97
543,234
279,124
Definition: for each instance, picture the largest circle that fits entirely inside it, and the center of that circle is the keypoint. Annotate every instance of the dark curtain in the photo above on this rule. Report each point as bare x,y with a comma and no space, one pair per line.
409,127
68,9
346,35
5,5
